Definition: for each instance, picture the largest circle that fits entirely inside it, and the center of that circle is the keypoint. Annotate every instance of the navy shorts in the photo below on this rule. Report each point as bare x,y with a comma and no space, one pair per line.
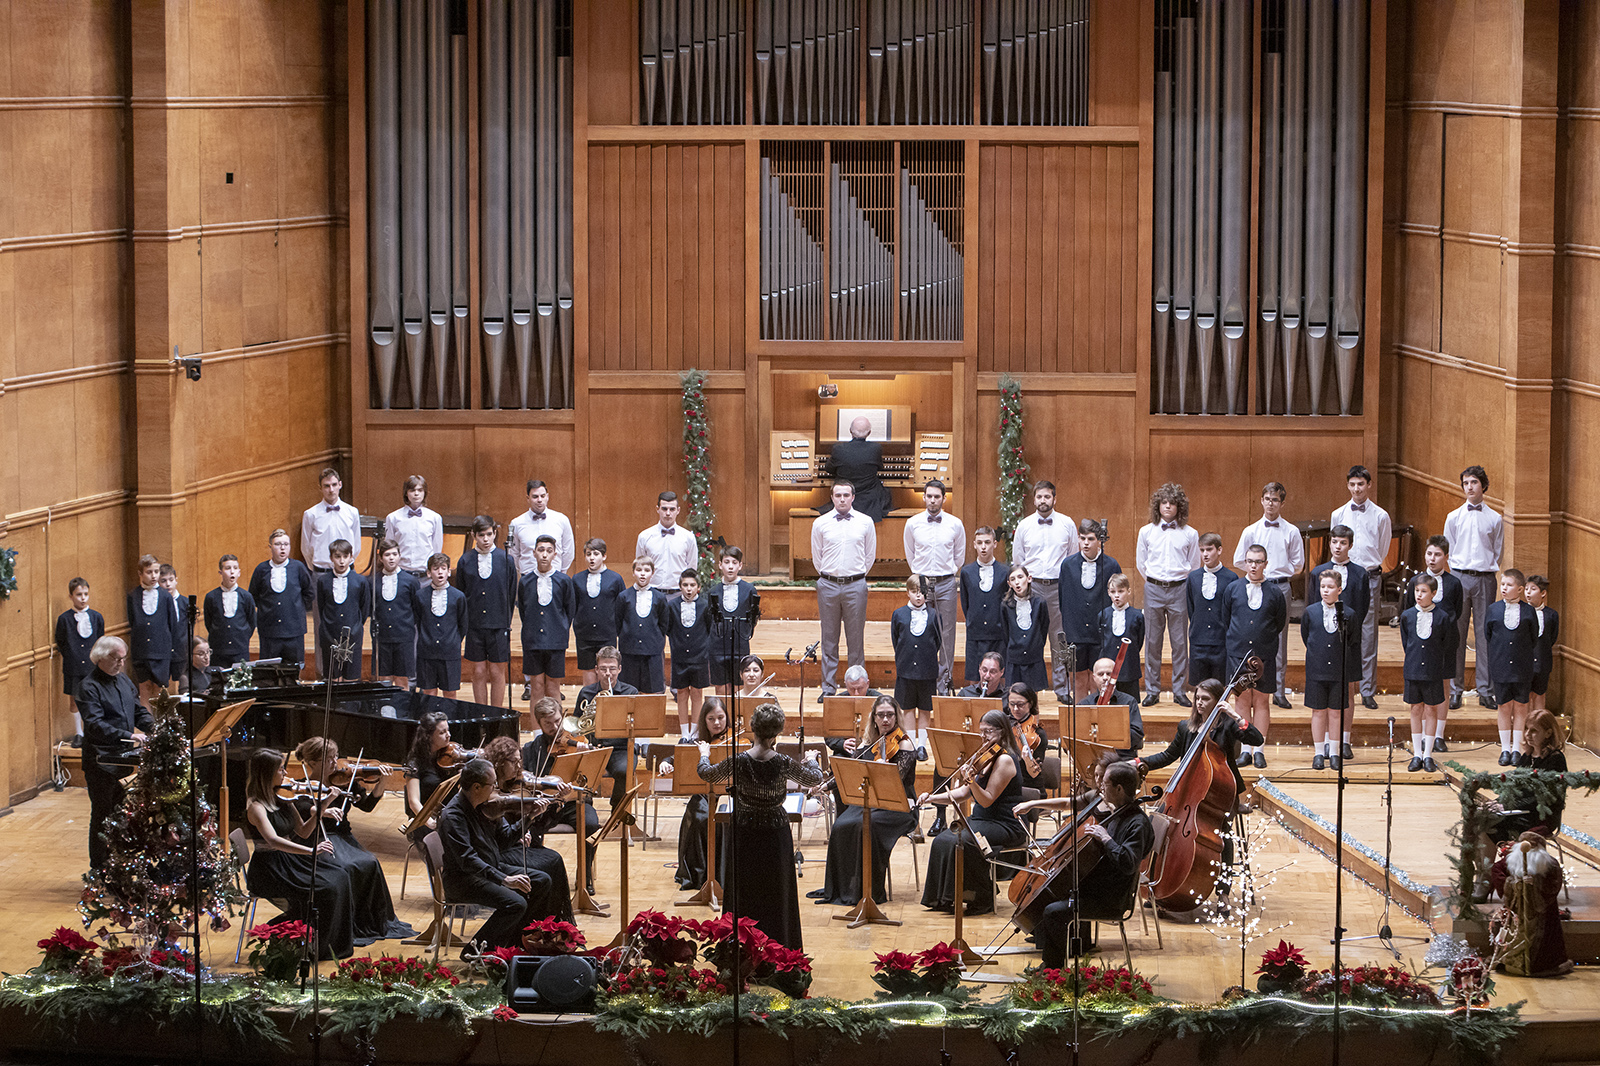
1325,695
1540,685
690,675
916,694
1084,661
587,653
1206,664
1429,693
289,649
488,646
546,662
398,659
644,672
444,674
1034,675
722,670
157,671
1511,691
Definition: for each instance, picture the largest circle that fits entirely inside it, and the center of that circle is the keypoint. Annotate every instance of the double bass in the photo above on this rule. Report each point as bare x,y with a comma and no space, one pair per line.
1199,800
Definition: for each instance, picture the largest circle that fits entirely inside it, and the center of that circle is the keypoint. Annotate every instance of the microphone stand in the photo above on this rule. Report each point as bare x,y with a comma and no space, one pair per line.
1338,839
340,652
194,840
734,624
1072,733
1385,935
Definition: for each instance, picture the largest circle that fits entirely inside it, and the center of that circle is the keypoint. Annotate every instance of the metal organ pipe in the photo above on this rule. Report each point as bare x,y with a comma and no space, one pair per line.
545,127
1183,206
1349,205
383,194
1234,254
460,214
1293,207
1271,136
414,189
1319,193
1208,104
1161,223
563,208
438,176
520,194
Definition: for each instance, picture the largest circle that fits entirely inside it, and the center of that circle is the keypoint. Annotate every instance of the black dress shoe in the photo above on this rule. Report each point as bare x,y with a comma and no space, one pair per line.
1455,702
1429,765
1505,758
1439,746
527,693
1181,700
1414,765
1243,760
1151,700
1489,702
817,893
1345,751
1281,701
76,741
1336,762
1260,760
1369,703
1318,762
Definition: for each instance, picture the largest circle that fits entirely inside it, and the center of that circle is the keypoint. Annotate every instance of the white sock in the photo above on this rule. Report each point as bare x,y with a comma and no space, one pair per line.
1416,744
1438,730
1516,740
1427,747
1505,740
1347,736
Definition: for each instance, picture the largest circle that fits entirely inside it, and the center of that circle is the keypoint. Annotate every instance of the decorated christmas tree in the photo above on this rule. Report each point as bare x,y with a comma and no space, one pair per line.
150,885
697,514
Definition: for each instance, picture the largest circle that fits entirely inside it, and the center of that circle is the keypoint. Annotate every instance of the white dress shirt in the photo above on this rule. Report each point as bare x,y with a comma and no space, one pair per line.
1167,551
1208,582
86,624
843,545
1286,552
1024,614
441,600
591,582
389,586
936,547
528,527
672,549
1513,614
278,576
730,596
686,611
1424,622
1252,595
1477,537
545,585
919,621
643,603
1119,621
230,602
1041,545
1330,618
150,601
486,564
419,532
986,577
341,586
1372,528
321,525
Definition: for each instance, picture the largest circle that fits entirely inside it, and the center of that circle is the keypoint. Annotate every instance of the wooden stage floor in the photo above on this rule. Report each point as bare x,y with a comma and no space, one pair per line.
42,852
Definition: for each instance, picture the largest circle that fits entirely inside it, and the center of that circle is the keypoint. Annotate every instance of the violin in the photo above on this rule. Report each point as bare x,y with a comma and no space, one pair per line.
454,754
566,740
300,789
1027,736
500,804
889,746
344,771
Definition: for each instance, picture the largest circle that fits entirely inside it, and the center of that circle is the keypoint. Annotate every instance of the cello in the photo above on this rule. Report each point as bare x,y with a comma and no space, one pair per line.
1199,801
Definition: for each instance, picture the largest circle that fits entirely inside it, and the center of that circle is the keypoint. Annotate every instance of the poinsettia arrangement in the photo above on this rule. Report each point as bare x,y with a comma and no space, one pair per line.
68,951
1284,963
64,950
551,936
277,948
1378,985
661,949
932,972
387,972
1107,986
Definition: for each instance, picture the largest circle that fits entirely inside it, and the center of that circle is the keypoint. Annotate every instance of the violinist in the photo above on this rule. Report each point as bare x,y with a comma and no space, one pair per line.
371,908
423,772
996,789
1105,677
536,759
525,851
885,740
712,728
607,672
1106,889
1023,704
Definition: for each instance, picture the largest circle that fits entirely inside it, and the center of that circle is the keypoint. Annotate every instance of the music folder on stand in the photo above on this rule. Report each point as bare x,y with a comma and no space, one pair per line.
843,716
617,717
580,768
215,733
871,786
686,782
962,713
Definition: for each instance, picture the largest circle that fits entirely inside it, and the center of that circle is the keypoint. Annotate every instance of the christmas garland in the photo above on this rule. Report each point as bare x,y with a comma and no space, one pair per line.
1547,789
1014,492
698,516
8,572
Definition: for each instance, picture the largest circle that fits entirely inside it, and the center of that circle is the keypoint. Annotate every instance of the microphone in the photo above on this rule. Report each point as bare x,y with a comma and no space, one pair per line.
811,652
752,611
788,656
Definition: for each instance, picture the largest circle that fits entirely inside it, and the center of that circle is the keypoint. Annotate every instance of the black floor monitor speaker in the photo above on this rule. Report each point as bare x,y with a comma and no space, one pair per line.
552,984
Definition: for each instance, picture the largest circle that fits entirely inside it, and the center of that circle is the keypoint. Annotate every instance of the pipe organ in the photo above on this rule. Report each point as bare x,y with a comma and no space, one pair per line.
1035,62
919,62
691,62
419,235
805,61
1311,207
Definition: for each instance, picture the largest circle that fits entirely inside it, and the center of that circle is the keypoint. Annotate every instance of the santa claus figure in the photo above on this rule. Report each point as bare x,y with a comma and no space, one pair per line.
1528,929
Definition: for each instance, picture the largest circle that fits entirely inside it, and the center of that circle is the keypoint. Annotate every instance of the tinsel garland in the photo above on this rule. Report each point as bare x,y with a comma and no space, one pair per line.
697,514
1396,874
1015,495
1545,788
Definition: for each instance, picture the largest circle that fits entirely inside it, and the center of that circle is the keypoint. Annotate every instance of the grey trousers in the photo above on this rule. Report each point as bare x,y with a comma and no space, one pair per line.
1166,609
1047,587
1369,637
946,600
1477,593
841,604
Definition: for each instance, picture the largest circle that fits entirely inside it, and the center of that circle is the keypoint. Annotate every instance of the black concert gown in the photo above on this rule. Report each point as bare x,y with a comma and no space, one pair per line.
842,880
285,878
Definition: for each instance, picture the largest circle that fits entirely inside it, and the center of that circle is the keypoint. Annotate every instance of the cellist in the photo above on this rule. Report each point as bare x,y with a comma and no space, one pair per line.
1106,888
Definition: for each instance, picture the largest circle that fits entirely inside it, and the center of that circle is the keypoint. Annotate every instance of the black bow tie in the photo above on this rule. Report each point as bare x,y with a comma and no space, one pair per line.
934,517
1270,525
1169,525
332,508
413,512
1359,507
666,531
843,516
1474,506
1045,521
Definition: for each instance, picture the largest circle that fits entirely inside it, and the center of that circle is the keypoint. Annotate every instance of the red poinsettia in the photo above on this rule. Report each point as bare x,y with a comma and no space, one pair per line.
551,936
64,950
1283,963
503,1013
895,961
501,956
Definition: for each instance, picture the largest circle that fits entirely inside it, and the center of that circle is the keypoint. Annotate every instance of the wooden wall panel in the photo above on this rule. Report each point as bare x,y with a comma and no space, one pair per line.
1057,271
666,261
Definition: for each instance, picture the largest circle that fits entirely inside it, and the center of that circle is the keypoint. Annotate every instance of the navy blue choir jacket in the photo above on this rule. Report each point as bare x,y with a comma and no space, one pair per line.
980,609
916,658
1356,594
1433,659
229,637
395,621
690,643
1448,596
1081,607
594,621
440,637
745,627
1110,643
353,612
180,629
546,627
74,650
282,614
1544,651
1025,646
1208,619
641,636
1322,647
109,704
1254,632
490,600
152,638
1511,651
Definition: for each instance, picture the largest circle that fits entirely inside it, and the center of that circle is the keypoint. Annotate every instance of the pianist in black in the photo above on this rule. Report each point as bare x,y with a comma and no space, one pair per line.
372,909
423,772
472,843
527,851
113,720
538,760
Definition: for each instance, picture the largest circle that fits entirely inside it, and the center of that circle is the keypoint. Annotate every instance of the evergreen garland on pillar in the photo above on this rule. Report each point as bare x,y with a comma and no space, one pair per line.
1014,480
697,514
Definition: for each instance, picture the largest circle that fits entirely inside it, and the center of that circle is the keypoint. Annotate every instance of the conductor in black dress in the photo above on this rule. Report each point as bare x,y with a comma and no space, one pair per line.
857,461
112,717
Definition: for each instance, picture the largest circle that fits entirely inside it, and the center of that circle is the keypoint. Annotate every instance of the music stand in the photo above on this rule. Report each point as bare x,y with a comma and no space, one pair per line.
843,716
616,717
1083,754
579,768
960,714
686,782
871,786
951,748
616,828
216,730
1106,724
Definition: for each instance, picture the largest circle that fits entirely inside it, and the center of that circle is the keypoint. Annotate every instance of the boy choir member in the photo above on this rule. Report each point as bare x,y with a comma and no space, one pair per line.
1436,557
730,596
416,529
689,634
1118,622
230,616
1168,549
283,593
915,634
77,630
1513,635
1428,638
1477,537
936,547
546,600
844,545
1286,557
344,601
523,538
151,635
1537,594
1204,597
1041,542
982,588
1256,611
394,617
441,613
328,520
489,582
1081,588
1372,530
670,548
594,619
641,619
180,621
1026,617
1354,591
1330,630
